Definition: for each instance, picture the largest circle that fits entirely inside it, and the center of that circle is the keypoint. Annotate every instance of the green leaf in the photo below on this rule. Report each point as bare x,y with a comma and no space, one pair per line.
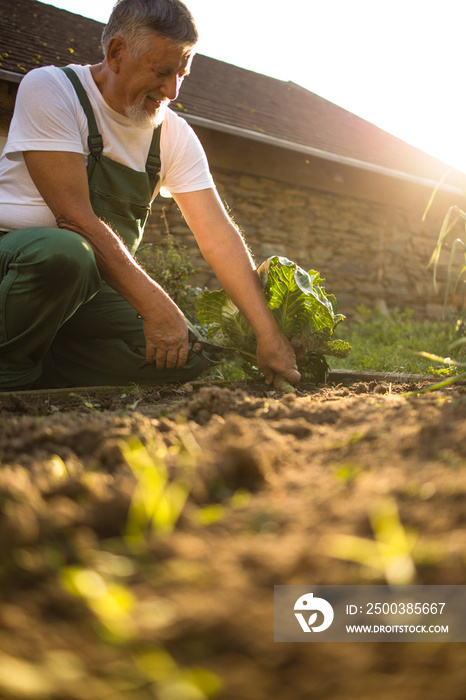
295,295
227,326
337,348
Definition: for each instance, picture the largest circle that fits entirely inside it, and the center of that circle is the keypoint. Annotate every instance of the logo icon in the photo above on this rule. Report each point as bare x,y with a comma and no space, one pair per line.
309,604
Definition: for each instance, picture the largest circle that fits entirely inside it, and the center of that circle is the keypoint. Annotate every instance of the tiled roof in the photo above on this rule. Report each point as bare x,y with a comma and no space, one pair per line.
34,34
241,98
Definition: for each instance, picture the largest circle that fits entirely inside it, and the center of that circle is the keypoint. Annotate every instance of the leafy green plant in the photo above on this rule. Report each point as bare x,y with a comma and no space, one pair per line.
306,315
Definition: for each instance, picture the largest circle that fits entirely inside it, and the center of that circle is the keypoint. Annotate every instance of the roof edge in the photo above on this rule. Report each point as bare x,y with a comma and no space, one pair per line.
10,76
318,153
293,146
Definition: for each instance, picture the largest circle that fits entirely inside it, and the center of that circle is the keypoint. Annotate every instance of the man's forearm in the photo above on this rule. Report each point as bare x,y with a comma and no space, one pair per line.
234,269
117,266
223,248
165,327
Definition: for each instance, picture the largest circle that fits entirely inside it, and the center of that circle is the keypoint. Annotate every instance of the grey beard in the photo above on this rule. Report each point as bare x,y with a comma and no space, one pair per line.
142,119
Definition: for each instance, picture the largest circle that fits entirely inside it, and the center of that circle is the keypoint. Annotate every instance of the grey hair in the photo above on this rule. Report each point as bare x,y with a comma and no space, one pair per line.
136,20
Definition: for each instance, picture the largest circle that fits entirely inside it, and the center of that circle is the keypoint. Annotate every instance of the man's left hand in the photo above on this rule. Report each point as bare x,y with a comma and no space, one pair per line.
275,356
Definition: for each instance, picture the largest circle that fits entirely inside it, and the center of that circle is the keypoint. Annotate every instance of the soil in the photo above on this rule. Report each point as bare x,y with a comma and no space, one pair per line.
95,605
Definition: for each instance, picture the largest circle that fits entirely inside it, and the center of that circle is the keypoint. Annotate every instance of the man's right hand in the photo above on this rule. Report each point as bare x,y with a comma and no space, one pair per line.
166,336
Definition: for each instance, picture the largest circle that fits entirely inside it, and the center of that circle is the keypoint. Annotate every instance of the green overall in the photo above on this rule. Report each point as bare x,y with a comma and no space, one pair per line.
58,318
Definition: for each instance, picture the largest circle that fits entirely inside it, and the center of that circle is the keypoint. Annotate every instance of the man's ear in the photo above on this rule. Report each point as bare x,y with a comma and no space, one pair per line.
115,49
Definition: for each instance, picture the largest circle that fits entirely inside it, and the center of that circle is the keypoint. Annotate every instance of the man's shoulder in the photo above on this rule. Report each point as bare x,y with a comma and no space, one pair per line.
51,75
43,80
37,75
173,117
176,124
47,90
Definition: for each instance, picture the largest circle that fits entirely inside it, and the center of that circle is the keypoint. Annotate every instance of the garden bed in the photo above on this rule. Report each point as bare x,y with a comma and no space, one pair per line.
273,482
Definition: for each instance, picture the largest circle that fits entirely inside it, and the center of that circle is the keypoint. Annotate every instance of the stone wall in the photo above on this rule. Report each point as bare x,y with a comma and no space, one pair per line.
369,253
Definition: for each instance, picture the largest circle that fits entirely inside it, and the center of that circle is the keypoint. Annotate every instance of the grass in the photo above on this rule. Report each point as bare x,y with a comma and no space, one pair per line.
390,344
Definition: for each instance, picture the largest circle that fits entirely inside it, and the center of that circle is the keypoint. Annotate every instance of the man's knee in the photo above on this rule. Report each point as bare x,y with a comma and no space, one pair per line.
56,248
60,258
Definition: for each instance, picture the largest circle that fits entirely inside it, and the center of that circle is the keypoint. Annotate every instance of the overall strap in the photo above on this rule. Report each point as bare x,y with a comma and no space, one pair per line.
153,162
94,140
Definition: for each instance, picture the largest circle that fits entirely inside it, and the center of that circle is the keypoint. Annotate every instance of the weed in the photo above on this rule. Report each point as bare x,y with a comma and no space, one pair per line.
454,216
389,554
171,681
91,406
347,472
157,502
111,602
209,514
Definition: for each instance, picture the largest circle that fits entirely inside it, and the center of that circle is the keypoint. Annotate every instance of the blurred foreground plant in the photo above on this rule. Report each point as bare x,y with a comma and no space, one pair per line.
111,602
394,551
103,584
389,554
157,501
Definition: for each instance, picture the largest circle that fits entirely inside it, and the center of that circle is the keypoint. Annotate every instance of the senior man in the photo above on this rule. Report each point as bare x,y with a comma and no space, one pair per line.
87,151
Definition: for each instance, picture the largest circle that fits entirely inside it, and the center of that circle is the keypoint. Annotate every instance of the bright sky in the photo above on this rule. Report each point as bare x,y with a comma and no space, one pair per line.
400,64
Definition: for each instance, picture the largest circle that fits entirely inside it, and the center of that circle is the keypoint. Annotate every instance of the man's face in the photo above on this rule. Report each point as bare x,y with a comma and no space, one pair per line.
147,85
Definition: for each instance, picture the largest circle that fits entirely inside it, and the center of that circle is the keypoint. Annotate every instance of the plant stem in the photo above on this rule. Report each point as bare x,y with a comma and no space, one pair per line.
243,352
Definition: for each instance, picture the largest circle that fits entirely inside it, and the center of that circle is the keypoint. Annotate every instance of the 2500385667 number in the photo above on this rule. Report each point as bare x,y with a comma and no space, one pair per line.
403,608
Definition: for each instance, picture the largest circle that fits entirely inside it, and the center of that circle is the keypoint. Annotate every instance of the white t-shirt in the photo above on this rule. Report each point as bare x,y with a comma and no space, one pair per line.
48,117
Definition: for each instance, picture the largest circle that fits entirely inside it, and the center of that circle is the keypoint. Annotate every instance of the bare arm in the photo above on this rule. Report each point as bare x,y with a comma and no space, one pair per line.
223,248
61,179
